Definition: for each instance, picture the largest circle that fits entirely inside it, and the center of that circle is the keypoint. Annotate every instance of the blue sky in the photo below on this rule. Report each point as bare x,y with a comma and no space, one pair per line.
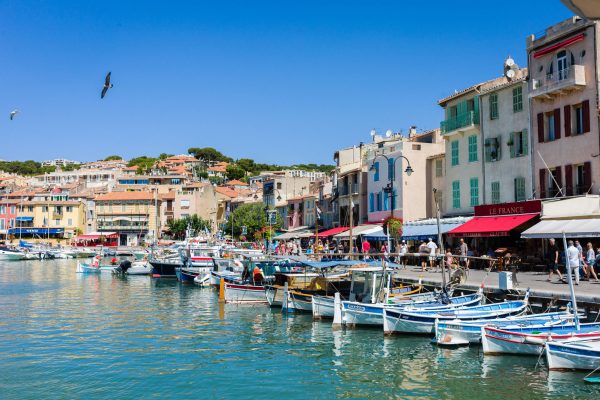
277,81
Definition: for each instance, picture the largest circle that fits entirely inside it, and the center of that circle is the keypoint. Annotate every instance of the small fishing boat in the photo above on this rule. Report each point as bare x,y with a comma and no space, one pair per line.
574,354
88,268
244,293
9,254
531,340
165,268
459,333
411,320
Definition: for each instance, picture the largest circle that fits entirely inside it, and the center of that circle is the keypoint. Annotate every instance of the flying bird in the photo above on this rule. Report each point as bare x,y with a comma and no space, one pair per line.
13,113
107,85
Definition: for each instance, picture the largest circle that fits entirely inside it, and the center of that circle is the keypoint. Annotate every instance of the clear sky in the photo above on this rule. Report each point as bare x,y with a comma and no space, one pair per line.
279,81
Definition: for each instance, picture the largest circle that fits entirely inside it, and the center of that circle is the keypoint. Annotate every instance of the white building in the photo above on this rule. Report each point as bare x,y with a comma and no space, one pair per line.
393,189
59,162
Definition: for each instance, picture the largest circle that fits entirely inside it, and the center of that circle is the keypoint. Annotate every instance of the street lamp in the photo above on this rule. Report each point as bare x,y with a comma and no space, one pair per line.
389,188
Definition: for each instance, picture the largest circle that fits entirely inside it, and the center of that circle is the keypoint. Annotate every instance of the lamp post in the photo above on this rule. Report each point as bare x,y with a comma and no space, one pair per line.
389,188
268,212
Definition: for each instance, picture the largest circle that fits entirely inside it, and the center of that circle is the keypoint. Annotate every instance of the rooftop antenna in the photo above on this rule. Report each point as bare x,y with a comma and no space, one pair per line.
388,133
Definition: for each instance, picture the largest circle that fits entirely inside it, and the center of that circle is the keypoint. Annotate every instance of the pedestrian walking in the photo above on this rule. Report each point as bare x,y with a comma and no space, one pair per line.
552,260
403,253
591,261
573,261
424,253
432,253
464,252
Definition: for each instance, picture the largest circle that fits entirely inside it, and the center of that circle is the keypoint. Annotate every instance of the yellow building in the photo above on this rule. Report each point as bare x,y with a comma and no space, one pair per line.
133,215
54,219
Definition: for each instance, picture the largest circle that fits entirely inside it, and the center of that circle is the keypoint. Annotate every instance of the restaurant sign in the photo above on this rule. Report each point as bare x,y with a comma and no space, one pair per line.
520,207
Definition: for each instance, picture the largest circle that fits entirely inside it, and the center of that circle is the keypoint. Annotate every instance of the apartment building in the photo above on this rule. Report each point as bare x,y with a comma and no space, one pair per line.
563,91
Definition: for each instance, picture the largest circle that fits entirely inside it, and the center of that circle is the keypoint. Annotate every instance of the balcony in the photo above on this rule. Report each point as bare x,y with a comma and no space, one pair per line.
56,215
558,83
460,123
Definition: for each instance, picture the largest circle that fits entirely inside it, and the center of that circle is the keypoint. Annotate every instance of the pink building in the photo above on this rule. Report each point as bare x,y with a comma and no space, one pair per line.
8,216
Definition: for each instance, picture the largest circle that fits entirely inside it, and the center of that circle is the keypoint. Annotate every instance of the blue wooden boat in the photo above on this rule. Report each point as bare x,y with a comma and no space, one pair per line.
423,321
85,268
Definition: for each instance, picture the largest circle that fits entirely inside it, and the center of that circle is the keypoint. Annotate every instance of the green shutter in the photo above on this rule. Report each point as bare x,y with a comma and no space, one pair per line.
498,143
525,135
488,150
514,145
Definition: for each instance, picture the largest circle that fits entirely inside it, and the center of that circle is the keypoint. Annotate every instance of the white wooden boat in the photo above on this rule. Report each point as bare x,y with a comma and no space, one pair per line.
7,254
532,340
579,354
458,333
244,293
322,306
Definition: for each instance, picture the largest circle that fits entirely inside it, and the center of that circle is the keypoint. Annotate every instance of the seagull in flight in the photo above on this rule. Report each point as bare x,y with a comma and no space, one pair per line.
13,113
107,85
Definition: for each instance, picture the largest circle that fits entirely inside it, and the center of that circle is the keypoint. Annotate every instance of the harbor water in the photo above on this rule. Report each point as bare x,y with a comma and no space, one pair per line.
76,336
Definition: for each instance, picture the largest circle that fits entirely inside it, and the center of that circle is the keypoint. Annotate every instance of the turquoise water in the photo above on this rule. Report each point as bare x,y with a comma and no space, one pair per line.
71,336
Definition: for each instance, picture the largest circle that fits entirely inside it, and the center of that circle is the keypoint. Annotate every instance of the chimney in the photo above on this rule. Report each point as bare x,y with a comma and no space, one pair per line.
412,132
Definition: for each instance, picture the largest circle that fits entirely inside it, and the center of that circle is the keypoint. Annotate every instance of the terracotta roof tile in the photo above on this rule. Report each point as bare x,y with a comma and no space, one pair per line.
125,196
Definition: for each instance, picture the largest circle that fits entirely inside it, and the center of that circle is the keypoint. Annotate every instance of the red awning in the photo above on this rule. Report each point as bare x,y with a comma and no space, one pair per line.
334,231
491,226
559,45
97,236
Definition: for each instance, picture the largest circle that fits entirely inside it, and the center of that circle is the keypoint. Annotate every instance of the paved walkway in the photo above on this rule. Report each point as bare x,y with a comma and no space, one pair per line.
588,292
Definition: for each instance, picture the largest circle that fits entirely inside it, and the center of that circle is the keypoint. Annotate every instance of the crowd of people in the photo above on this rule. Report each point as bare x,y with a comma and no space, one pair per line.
580,261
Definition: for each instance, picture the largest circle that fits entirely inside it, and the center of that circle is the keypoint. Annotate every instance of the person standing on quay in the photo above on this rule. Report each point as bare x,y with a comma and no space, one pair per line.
552,260
573,258
591,260
464,251
432,252
366,246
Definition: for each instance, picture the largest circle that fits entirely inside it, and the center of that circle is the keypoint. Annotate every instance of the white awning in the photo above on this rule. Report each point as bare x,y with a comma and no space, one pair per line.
573,228
292,235
360,230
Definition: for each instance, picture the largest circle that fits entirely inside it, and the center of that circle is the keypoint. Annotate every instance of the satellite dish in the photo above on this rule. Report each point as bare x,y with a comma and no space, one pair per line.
509,62
373,132
510,73
388,133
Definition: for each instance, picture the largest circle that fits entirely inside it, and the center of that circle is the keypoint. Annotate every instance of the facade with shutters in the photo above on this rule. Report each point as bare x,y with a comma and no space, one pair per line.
563,93
506,156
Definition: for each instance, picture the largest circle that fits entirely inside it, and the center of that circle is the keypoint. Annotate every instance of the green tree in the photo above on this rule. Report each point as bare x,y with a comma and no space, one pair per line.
234,172
112,158
178,227
143,163
208,155
70,167
253,217
164,156
247,164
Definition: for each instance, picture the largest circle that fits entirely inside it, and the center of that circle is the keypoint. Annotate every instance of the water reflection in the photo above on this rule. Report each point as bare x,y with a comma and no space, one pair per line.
99,336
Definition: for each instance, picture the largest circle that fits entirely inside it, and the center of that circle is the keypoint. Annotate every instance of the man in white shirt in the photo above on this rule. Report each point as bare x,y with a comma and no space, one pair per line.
432,252
573,261
402,253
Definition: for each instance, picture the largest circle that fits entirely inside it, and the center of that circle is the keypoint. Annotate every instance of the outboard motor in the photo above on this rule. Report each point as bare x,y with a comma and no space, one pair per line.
123,267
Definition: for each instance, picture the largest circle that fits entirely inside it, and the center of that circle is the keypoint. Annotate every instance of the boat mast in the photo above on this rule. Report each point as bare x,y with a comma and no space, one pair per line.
571,288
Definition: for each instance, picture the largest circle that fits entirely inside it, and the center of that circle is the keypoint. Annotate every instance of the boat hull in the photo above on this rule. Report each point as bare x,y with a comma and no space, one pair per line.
10,256
323,307
572,356
235,293
519,341
163,269
299,302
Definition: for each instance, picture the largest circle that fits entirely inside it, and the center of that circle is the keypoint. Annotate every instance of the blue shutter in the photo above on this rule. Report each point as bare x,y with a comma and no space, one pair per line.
385,201
391,169
376,177
371,202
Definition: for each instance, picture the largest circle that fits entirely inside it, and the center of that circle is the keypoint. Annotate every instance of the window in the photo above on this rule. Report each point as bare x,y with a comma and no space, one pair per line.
495,192
518,99
378,199
13,209
279,185
562,65
492,149
70,222
580,180
453,112
456,194
123,207
439,168
519,144
474,183
12,223
371,202
45,209
30,208
578,120
551,132
386,199
376,174
56,222
519,189
69,209
454,150
175,181
2,227
472,148
391,169
2,209
494,106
